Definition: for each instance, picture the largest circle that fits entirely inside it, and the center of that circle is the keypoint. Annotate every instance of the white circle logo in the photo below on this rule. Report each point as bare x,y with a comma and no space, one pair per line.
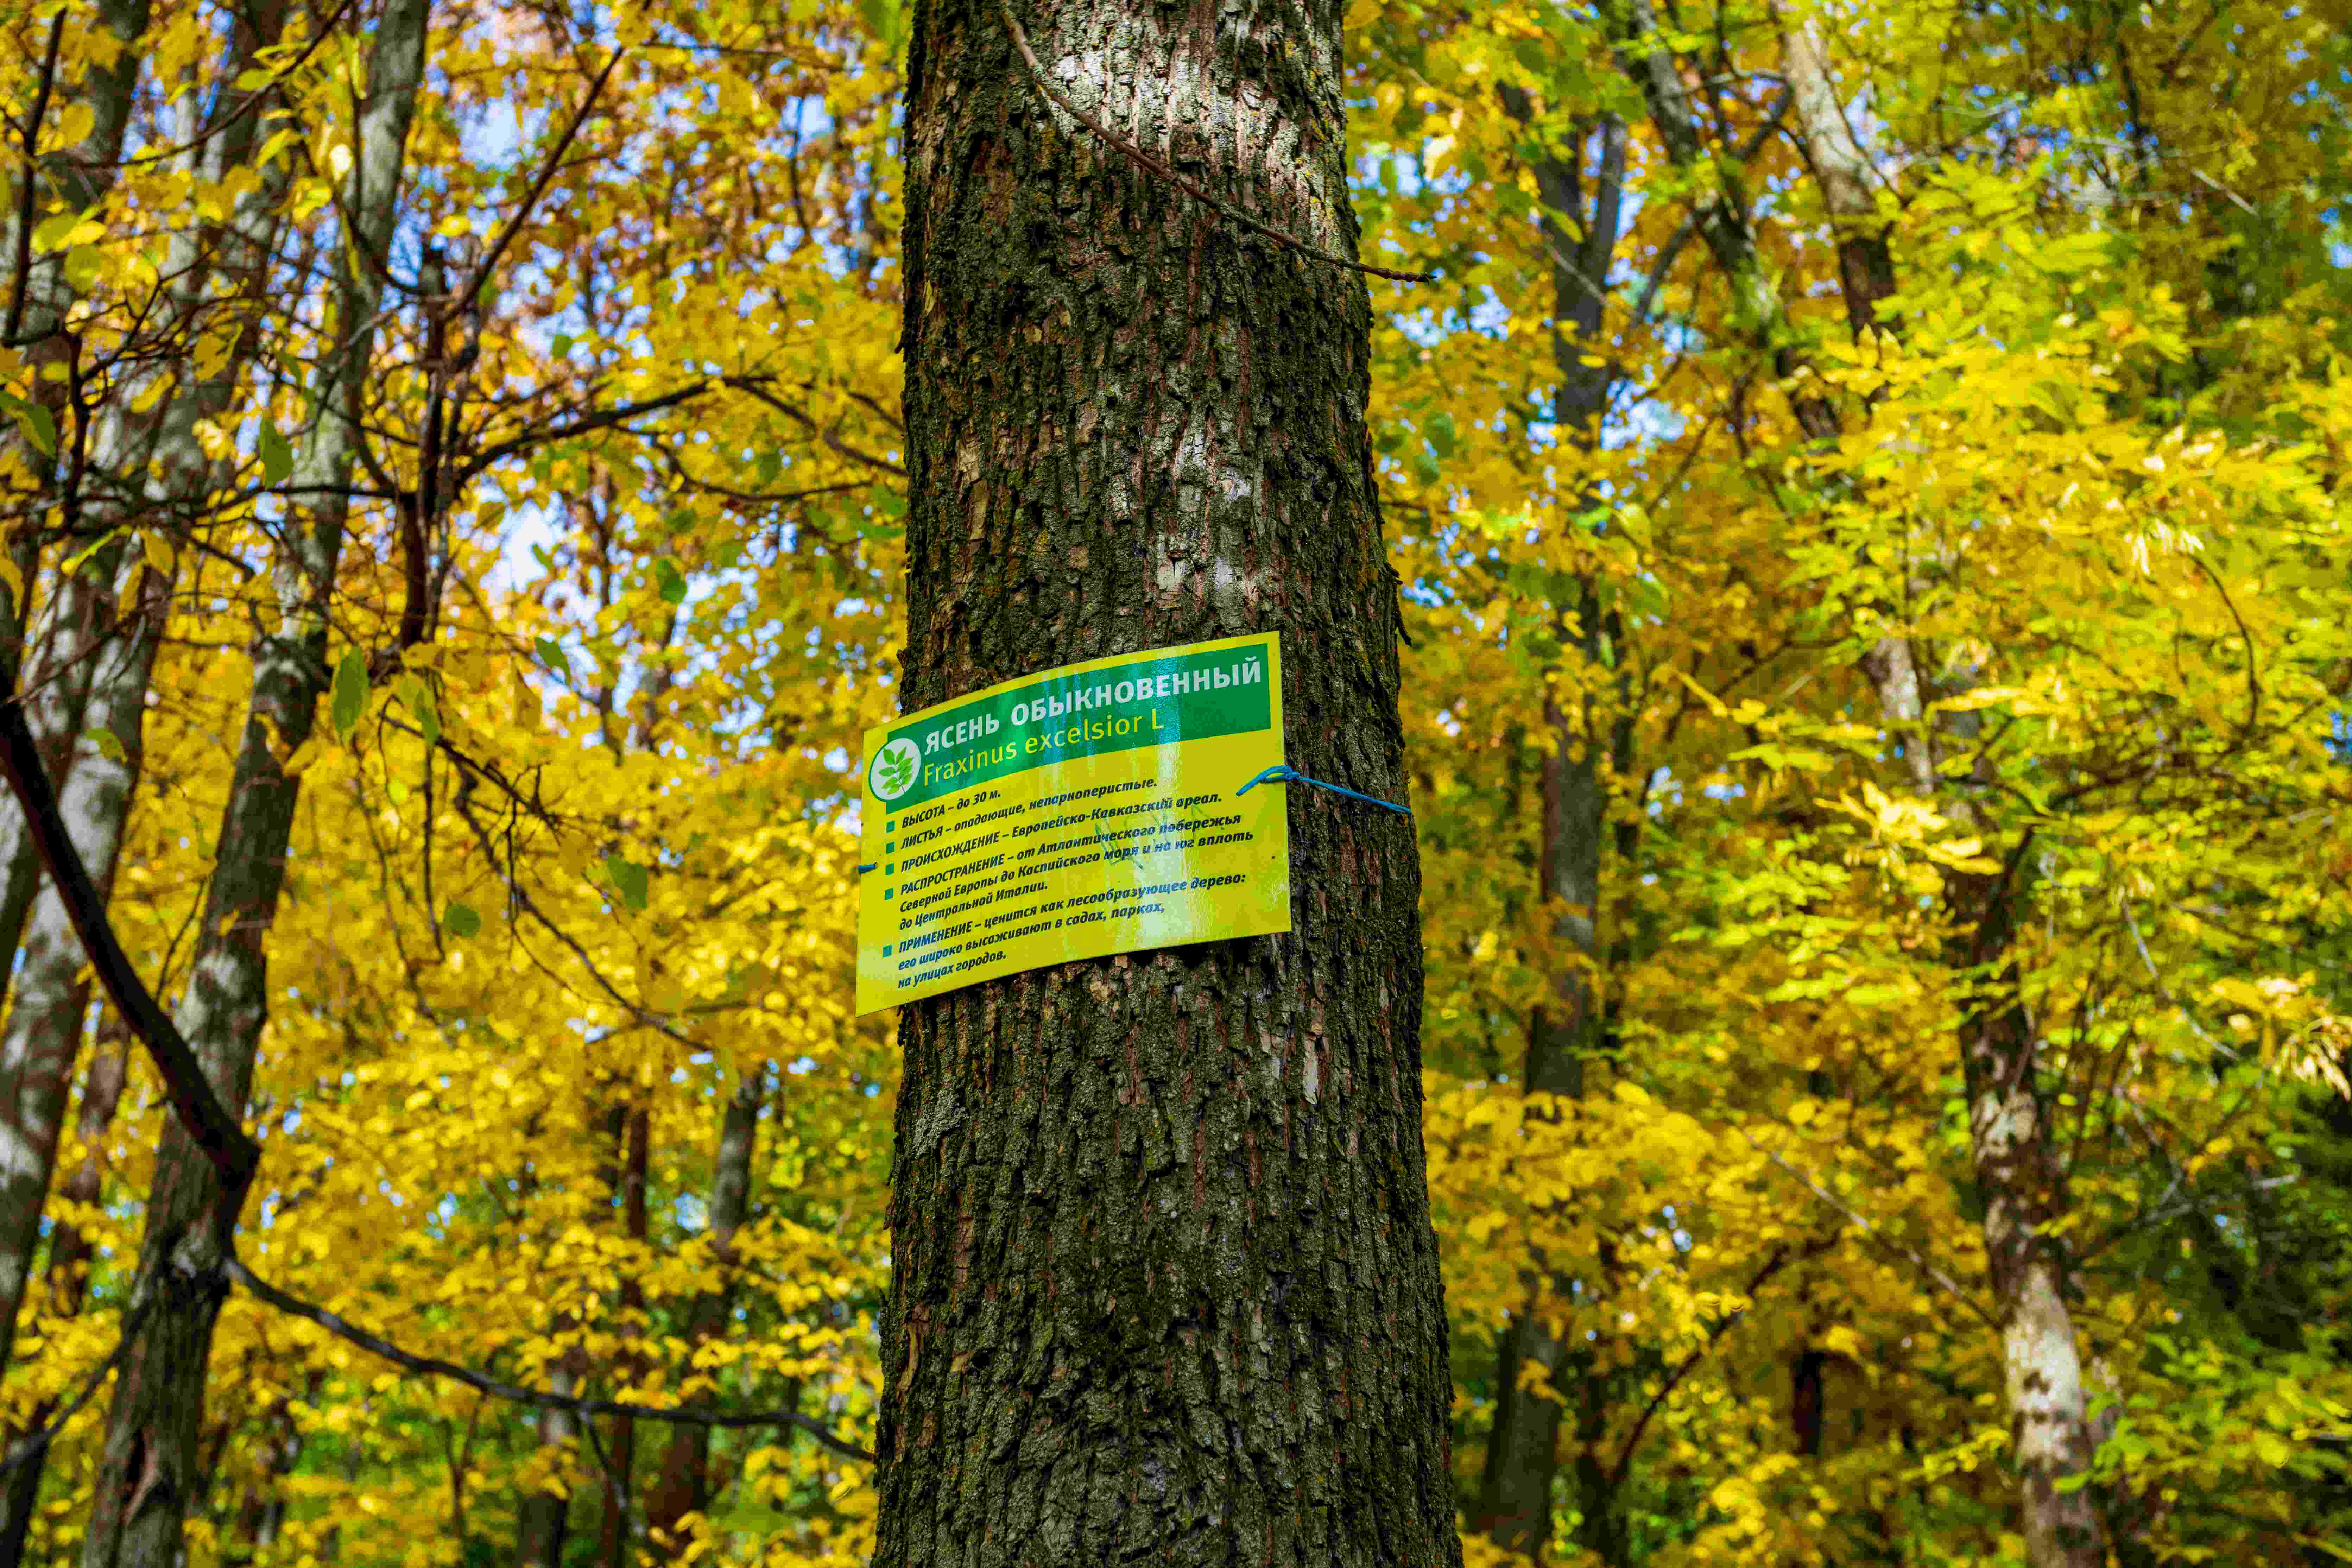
896,768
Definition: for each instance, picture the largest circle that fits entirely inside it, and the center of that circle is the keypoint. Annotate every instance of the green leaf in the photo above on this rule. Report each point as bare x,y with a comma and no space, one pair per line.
883,18
1440,434
108,743
551,655
34,422
418,698
459,920
670,581
350,693
894,771
277,455
628,880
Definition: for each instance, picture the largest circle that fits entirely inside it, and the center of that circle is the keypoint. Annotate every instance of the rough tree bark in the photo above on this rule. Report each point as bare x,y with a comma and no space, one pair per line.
150,1468
1164,1282
1513,1507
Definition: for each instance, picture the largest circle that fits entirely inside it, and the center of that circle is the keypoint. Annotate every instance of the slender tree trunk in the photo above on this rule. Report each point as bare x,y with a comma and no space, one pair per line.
1164,1281
543,1517
684,1487
1514,1493
52,990
154,467
2018,1177
79,178
620,1453
149,1470
2010,1144
148,468
70,1254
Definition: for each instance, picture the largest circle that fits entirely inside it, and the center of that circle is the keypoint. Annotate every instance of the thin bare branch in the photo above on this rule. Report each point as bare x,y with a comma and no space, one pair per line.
537,1398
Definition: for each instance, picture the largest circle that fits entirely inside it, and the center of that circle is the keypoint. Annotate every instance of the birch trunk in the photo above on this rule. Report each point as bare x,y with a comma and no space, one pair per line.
80,179
2010,1144
52,990
1164,1282
150,1469
71,1253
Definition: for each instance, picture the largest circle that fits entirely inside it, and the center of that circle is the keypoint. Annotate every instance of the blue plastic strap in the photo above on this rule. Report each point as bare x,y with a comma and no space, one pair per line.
868,866
1284,772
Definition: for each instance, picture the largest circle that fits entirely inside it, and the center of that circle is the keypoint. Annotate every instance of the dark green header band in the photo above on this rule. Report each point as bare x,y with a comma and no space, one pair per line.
1059,718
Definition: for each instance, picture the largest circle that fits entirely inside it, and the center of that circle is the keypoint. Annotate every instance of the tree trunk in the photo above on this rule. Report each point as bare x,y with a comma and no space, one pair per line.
153,465
621,1454
684,1486
52,990
2011,1145
147,1475
71,1253
543,1517
1164,1280
80,178
2018,1178
1514,1509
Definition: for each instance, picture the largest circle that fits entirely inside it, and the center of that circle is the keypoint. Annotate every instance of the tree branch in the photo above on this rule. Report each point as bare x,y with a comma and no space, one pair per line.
23,268
538,1399
547,169
1773,1265
34,1445
201,1112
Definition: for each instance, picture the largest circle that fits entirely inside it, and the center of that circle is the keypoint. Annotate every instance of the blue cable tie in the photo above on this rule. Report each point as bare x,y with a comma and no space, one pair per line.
1283,772
868,866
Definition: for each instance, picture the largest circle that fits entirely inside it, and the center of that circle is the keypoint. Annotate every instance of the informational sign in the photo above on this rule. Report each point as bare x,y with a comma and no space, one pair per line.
1079,812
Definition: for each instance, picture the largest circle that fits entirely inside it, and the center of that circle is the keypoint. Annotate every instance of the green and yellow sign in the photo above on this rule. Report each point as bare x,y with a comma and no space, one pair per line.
1083,811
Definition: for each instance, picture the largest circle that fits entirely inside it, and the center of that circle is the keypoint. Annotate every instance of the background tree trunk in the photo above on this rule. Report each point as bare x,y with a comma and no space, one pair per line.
51,992
1515,1491
1164,1280
148,1475
632,1133
684,1485
71,1253
79,178
543,1517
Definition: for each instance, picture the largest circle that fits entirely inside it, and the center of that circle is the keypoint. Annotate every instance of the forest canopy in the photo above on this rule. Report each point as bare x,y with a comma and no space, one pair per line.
1862,492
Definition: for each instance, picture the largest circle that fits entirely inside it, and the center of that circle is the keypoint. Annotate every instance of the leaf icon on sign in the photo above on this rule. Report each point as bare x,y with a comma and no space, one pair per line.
895,769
